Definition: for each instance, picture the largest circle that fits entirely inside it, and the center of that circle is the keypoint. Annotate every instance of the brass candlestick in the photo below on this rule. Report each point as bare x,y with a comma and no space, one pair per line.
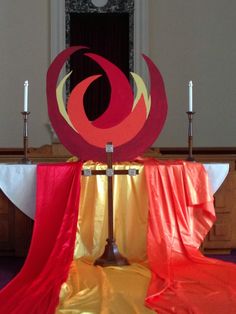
25,159
190,135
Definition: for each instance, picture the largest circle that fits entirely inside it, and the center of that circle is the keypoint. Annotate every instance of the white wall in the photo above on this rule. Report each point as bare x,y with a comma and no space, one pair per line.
195,40
24,54
189,40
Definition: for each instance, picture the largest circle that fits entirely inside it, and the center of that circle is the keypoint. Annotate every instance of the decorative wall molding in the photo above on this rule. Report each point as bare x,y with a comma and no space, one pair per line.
99,3
57,21
112,6
140,24
89,6
141,36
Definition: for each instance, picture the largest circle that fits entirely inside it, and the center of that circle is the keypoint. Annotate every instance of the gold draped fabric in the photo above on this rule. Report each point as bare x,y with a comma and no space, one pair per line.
118,290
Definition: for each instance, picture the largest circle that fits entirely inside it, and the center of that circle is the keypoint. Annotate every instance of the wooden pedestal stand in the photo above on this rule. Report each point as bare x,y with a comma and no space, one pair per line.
111,255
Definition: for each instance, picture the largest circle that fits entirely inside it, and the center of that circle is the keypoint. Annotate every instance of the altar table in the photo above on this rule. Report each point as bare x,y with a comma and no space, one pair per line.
18,182
146,244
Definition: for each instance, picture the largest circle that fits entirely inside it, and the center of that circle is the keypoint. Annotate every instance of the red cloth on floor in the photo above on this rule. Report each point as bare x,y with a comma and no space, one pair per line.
35,290
181,213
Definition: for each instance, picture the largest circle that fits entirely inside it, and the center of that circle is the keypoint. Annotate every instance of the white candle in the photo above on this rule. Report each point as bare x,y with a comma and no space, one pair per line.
190,103
26,93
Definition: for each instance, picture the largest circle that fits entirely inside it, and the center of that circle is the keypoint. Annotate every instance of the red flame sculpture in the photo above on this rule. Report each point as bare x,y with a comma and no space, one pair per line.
129,124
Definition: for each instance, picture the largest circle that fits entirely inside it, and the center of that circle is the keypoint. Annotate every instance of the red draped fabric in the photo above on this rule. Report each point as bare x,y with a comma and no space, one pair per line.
35,290
181,212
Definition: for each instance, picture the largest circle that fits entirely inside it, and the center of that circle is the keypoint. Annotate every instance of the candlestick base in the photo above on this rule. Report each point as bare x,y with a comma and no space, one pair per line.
190,158
25,161
111,256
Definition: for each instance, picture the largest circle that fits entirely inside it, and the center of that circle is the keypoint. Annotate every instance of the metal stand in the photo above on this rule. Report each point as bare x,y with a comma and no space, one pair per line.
25,159
190,135
111,255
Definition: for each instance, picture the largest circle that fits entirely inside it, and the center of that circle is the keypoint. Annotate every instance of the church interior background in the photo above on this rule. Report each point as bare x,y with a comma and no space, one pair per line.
188,41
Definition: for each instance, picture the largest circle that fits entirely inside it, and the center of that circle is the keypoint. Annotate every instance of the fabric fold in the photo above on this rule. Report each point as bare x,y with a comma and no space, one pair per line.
36,288
181,213
178,201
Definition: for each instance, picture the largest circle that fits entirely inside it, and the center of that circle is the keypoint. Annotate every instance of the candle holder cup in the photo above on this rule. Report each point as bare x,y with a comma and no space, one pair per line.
190,135
25,159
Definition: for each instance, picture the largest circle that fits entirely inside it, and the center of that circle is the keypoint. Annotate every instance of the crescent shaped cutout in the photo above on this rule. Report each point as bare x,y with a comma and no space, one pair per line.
121,98
118,134
77,145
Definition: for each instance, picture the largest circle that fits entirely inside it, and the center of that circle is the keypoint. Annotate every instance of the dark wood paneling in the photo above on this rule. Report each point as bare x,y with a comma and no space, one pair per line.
15,229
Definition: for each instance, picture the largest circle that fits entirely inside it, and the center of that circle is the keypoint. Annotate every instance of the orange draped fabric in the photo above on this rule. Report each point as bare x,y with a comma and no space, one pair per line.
181,212
106,290
35,290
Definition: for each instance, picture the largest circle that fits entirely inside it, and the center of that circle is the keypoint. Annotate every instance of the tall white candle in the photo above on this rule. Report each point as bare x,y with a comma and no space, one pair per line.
26,94
190,103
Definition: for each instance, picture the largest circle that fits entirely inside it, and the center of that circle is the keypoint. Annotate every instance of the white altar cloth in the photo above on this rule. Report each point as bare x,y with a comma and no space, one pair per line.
18,183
